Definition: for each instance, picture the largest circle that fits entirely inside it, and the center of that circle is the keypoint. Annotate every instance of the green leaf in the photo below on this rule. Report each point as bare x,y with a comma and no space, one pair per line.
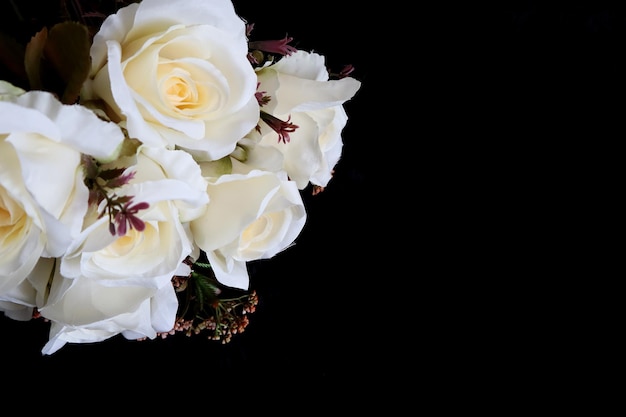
202,265
205,290
32,58
109,174
67,49
90,166
129,147
217,168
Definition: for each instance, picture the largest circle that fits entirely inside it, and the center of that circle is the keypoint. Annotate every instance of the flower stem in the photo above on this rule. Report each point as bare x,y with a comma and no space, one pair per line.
17,11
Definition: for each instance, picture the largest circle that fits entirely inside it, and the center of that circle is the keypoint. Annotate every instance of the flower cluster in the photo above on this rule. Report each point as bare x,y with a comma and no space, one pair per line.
147,155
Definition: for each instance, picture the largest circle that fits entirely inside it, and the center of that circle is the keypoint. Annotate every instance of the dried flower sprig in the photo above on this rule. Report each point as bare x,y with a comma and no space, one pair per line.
343,73
120,209
263,52
208,306
261,96
281,127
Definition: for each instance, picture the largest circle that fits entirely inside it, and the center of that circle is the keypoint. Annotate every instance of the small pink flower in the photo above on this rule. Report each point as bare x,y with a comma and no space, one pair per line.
278,46
126,219
283,128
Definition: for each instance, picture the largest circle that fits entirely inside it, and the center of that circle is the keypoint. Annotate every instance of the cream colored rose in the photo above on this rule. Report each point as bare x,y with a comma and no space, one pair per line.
175,73
92,311
19,302
107,285
302,93
249,217
43,198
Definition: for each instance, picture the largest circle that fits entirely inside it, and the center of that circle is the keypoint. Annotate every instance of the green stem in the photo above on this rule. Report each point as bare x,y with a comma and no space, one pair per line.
17,11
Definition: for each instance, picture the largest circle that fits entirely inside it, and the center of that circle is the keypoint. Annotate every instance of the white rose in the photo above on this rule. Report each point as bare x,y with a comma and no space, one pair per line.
43,198
249,217
92,311
302,93
19,302
176,74
108,284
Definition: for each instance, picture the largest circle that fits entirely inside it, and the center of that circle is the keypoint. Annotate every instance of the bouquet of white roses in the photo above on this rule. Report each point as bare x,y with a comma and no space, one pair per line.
147,158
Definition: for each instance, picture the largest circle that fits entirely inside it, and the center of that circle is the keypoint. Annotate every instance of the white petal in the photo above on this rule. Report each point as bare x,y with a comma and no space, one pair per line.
79,127
298,95
114,28
17,118
231,273
303,155
111,79
179,165
303,64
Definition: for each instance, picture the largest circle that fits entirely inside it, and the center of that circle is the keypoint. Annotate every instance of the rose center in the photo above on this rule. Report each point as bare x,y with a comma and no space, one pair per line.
12,219
187,91
261,232
124,244
179,90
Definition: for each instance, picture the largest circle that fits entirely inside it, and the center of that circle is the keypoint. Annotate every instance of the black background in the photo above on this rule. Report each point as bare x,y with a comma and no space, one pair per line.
332,326
564,105
567,72
323,310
